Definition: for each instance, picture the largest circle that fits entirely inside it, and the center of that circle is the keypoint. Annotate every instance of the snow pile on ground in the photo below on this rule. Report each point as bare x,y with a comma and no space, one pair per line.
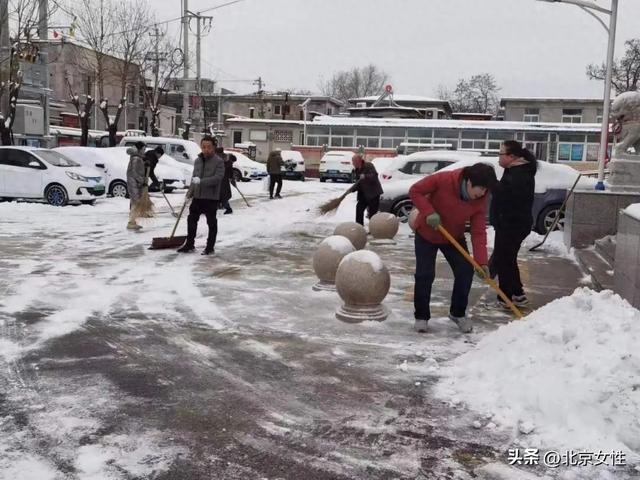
569,374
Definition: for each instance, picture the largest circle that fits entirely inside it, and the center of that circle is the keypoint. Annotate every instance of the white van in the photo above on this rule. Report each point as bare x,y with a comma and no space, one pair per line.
336,165
184,151
42,174
293,165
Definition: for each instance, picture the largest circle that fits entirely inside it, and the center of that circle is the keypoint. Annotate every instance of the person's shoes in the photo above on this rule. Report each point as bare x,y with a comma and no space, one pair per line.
228,212
278,196
133,226
186,249
464,323
208,251
520,300
270,197
420,326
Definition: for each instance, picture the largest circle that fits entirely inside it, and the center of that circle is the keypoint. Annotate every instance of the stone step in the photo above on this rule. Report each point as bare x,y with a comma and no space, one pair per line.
598,267
606,247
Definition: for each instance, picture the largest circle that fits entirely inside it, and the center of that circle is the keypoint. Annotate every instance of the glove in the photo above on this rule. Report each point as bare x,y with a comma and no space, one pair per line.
362,176
195,180
433,220
485,272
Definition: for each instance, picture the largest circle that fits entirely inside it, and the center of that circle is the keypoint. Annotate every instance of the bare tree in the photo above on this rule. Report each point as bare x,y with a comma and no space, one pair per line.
626,71
355,83
6,125
478,94
112,121
84,113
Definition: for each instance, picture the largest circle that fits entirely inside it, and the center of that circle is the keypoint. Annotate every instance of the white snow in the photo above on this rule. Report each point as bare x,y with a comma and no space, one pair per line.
633,210
571,370
339,244
366,256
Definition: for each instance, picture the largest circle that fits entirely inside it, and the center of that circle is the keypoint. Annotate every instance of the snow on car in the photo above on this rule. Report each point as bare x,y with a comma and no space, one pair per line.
245,169
115,160
552,182
418,164
294,167
43,174
184,151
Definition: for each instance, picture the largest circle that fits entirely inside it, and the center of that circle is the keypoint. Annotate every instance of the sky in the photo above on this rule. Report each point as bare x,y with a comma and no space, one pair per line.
533,48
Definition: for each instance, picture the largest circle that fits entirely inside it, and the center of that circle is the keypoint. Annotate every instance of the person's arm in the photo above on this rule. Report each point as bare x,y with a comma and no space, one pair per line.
419,194
479,234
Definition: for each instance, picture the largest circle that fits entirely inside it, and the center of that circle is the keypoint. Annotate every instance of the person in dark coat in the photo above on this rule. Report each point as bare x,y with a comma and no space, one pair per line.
151,159
511,217
368,187
206,182
274,169
227,181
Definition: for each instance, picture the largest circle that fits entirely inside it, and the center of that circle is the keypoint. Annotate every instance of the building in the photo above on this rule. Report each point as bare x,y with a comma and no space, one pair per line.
389,105
266,135
278,106
552,110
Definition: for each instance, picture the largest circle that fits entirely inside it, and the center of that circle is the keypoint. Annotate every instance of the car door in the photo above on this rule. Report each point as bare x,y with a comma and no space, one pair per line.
4,172
26,174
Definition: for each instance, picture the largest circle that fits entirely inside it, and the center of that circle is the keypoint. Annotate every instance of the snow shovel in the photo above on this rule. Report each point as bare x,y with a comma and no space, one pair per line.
490,281
557,219
245,200
172,241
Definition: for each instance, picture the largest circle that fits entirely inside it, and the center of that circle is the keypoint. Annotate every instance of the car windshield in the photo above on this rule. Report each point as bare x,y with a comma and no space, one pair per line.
56,159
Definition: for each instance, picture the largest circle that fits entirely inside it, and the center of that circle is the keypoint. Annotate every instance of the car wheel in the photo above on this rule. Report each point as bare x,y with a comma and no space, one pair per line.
402,209
56,195
119,189
88,202
322,179
302,178
237,175
547,217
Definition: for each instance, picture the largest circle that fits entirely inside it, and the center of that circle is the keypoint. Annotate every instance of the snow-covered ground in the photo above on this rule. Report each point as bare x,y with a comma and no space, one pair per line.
117,362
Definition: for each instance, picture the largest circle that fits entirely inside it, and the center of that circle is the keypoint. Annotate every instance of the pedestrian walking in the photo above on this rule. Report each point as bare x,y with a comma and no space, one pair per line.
511,217
206,183
450,199
368,187
274,169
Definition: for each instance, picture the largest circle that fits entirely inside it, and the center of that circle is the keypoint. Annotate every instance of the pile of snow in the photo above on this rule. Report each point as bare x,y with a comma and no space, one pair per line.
569,375
366,256
339,244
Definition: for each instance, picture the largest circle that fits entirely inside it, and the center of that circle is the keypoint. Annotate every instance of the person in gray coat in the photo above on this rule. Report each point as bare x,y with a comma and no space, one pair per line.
208,172
136,171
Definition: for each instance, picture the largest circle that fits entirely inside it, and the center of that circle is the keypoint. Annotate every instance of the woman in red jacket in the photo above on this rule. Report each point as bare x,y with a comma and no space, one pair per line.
450,199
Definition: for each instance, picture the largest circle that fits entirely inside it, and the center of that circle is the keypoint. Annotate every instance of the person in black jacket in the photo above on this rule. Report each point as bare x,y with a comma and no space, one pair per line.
227,181
368,187
151,159
511,217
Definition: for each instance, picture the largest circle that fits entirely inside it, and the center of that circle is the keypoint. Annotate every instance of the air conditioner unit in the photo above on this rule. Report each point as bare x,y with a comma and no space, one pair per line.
431,113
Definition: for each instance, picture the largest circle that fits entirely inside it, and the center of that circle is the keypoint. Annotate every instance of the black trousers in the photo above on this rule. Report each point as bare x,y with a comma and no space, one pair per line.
373,205
426,253
199,207
275,179
504,259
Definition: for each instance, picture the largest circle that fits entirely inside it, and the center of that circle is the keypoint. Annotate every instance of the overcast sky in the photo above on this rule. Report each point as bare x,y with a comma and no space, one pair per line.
533,48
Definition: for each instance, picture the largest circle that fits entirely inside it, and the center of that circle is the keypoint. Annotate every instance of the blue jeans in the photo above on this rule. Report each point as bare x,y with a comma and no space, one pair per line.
426,253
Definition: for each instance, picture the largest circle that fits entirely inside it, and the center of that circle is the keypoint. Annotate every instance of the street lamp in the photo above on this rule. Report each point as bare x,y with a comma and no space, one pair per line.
591,8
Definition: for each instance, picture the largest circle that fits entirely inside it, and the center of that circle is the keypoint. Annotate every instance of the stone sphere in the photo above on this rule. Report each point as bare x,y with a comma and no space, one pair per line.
327,258
384,225
355,232
362,281
413,216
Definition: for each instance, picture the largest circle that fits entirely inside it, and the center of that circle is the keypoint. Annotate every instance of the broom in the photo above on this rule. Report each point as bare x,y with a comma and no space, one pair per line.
143,208
332,205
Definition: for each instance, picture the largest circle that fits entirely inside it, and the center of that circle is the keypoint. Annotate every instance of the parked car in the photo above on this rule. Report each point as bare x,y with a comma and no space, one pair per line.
245,169
294,167
336,165
552,182
184,151
112,162
43,174
419,164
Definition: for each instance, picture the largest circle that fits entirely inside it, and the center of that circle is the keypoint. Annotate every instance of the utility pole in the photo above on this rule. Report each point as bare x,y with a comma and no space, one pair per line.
155,94
43,34
201,21
260,84
185,49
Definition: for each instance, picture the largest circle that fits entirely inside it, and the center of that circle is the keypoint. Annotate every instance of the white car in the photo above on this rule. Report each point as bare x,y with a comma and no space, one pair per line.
336,165
294,167
552,182
113,163
245,169
42,174
419,164
184,151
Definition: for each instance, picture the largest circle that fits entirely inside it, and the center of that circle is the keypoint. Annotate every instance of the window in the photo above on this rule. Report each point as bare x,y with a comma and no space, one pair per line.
329,111
252,112
571,115
283,136
258,135
531,115
425,168
131,94
599,116
570,152
87,85
237,137
301,114
277,110
20,158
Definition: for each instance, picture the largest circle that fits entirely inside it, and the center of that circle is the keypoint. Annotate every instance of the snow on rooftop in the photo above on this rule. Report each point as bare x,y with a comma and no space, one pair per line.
399,98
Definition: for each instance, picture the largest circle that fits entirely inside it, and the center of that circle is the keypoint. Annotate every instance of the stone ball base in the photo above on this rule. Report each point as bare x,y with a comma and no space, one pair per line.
359,314
382,241
324,287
